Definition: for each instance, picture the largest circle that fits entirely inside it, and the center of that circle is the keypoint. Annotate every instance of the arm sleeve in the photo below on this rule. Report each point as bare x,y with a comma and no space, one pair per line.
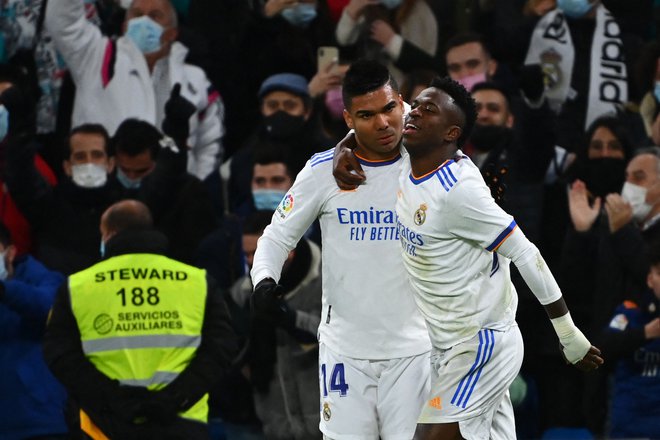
297,211
348,30
30,191
32,300
207,148
532,267
81,43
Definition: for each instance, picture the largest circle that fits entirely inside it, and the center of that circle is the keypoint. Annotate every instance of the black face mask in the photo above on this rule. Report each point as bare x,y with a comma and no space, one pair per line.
487,137
281,125
604,176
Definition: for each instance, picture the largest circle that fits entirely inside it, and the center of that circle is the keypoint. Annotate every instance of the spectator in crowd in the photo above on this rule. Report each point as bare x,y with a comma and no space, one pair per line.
288,125
598,259
179,201
147,376
21,100
386,30
632,341
283,356
271,179
64,218
587,61
135,75
32,401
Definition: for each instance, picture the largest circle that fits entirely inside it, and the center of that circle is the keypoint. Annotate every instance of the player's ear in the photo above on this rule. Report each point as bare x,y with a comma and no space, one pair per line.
453,133
348,119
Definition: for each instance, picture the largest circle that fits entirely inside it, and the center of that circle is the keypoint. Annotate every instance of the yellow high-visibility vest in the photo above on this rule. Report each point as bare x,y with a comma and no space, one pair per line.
140,318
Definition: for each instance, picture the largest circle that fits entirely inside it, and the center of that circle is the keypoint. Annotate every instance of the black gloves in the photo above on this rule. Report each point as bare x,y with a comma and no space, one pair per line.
532,82
126,404
159,408
268,303
178,111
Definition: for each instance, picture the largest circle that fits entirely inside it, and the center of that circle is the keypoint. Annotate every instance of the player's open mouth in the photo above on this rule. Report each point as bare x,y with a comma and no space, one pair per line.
409,128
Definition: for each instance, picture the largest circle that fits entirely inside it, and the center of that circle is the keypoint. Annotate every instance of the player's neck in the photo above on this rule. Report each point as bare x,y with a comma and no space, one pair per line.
425,162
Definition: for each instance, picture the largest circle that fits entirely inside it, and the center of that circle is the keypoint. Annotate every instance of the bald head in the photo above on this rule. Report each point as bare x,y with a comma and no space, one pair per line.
125,215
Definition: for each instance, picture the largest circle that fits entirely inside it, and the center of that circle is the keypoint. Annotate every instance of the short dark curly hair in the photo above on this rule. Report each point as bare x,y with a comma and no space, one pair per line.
463,101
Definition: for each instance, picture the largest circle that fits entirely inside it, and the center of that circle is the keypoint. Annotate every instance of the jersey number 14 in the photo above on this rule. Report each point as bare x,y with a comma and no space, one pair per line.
337,380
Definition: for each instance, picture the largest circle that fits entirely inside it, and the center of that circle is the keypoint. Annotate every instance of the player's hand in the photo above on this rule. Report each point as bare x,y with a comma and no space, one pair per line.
583,215
591,361
268,303
345,167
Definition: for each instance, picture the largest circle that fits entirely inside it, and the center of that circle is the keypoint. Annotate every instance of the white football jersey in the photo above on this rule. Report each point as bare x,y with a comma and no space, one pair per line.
368,307
450,229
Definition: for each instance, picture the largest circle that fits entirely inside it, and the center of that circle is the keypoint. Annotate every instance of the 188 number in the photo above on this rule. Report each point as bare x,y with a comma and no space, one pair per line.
139,296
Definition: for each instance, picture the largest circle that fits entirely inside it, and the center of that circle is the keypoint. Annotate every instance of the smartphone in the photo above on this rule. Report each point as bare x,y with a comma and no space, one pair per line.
326,55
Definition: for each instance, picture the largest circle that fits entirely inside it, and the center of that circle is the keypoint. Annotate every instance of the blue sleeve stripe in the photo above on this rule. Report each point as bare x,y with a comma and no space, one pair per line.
448,170
321,160
448,176
442,181
503,236
322,155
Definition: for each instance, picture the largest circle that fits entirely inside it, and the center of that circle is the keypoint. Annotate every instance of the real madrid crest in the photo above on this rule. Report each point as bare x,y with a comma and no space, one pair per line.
420,215
326,412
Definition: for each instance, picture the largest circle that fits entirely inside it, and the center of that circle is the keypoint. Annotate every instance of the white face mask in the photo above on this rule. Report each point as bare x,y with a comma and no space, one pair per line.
89,175
636,196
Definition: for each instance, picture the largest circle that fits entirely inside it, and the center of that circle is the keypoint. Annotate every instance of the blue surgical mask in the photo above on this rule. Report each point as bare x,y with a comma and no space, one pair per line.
4,122
267,199
575,8
656,91
3,266
126,181
300,15
102,249
145,33
390,4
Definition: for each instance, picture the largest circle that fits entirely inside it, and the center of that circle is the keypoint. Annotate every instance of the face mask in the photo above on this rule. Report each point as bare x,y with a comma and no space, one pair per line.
300,15
125,4
575,8
487,137
469,81
3,266
4,122
267,199
102,248
390,4
126,181
145,33
604,176
89,175
656,91
334,102
636,196
281,125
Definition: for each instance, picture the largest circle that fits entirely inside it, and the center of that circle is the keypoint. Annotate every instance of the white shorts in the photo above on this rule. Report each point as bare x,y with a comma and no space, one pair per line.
470,384
366,399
